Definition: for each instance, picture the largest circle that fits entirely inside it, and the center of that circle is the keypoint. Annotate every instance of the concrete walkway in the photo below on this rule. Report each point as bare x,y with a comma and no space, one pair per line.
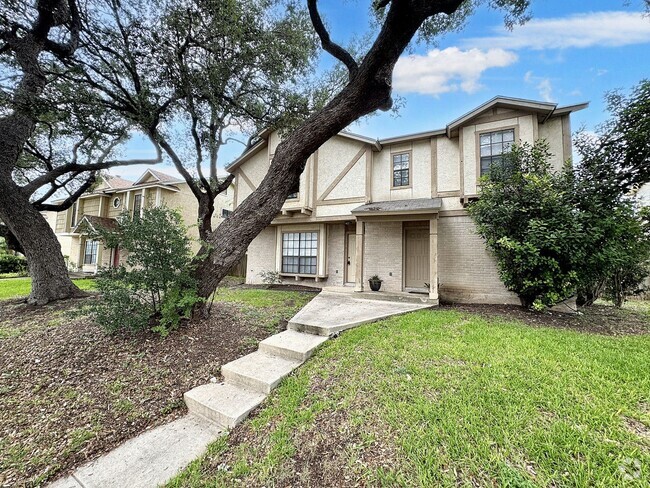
156,456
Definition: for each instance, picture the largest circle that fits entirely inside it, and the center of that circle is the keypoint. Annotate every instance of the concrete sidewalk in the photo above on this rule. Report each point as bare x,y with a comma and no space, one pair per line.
156,456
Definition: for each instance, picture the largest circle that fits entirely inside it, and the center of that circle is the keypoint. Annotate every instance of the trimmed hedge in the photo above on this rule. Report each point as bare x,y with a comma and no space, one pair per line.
12,264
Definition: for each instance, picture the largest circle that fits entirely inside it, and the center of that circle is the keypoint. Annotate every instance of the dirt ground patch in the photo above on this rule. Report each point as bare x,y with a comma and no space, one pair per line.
69,392
598,319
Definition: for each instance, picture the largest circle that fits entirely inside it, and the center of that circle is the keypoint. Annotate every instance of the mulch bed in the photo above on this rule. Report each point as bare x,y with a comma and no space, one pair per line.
69,392
597,319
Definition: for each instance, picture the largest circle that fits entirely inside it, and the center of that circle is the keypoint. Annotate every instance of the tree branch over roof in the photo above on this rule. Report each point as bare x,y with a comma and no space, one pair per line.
328,45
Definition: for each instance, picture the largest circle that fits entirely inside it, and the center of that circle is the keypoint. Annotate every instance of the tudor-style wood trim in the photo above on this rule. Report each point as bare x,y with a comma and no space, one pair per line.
315,180
245,178
461,154
434,167
342,174
515,114
566,138
339,201
451,193
369,160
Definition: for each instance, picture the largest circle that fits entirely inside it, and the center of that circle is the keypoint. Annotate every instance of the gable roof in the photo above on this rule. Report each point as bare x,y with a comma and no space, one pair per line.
163,178
544,111
95,222
116,182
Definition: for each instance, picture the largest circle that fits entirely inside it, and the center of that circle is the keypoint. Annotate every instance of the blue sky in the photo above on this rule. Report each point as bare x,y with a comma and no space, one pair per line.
570,52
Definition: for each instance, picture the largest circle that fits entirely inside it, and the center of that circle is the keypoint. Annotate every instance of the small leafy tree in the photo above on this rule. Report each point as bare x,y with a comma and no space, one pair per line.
612,164
526,215
154,290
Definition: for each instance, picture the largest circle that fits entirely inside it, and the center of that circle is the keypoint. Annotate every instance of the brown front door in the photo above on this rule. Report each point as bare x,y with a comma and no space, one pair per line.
351,258
416,256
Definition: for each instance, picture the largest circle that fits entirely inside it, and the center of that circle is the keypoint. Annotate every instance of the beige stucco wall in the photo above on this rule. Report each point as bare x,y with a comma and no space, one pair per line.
261,256
551,131
448,167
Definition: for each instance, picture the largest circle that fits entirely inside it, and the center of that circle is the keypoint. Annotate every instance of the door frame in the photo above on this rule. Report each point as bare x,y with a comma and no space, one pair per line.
346,252
421,224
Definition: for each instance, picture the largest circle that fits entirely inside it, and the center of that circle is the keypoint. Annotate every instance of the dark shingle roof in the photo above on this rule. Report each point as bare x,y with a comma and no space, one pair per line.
416,205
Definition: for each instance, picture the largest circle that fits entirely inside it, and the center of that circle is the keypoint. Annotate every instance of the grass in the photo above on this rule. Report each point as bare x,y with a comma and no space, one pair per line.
69,392
442,398
266,307
19,287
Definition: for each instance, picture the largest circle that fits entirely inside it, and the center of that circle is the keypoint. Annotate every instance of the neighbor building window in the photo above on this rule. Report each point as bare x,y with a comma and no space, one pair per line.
73,218
492,147
90,252
225,212
401,169
137,205
299,252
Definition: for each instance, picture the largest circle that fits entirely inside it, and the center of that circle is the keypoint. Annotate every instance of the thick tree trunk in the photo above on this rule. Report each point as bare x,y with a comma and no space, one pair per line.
206,211
368,90
50,280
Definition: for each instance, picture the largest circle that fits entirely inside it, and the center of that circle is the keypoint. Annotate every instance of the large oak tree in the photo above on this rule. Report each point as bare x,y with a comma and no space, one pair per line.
43,151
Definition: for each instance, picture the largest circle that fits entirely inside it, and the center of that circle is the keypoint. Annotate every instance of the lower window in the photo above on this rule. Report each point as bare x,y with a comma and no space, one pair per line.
90,252
299,252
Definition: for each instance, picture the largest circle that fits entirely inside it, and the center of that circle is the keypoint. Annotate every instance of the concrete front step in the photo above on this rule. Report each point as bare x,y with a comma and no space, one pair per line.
292,345
148,460
222,403
258,371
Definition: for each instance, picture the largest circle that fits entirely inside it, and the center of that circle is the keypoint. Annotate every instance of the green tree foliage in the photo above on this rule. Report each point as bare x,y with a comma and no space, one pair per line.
526,215
556,233
612,164
154,290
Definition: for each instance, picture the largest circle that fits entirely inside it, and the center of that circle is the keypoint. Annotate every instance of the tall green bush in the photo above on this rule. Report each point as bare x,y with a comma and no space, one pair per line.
154,290
526,215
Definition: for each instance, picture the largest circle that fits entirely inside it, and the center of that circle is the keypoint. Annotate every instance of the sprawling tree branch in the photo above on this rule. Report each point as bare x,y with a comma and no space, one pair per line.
328,45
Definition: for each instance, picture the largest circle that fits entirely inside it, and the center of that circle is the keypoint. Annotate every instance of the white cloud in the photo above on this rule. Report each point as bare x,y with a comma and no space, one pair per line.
447,70
608,29
543,85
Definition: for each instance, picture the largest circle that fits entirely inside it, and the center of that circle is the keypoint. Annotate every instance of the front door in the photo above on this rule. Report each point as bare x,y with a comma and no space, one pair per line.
416,256
351,258
116,257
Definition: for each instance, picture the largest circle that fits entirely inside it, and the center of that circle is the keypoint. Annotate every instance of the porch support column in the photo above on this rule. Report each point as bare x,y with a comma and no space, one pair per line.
358,272
433,258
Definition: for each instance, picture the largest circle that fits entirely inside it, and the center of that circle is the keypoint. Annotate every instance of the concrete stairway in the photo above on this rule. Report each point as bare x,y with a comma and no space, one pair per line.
249,379
155,456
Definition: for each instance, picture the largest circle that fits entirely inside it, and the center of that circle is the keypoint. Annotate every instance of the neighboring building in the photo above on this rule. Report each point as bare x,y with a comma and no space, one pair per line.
396,207
114,196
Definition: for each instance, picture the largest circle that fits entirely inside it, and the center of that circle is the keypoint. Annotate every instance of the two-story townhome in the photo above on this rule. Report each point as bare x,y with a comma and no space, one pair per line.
397,207
114,196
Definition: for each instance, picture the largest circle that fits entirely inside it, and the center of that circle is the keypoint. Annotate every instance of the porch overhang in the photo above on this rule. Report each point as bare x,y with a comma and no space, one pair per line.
415,209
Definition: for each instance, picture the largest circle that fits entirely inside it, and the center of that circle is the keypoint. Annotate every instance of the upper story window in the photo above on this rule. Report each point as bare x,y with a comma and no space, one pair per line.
225,212
401,169
137,205
117,202
299,252
493,145
73,218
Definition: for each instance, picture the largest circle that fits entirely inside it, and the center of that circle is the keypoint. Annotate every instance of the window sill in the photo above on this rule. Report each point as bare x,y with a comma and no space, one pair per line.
299,276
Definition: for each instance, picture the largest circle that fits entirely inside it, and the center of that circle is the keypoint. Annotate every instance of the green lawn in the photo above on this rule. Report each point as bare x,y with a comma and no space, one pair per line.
18,287
442,398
